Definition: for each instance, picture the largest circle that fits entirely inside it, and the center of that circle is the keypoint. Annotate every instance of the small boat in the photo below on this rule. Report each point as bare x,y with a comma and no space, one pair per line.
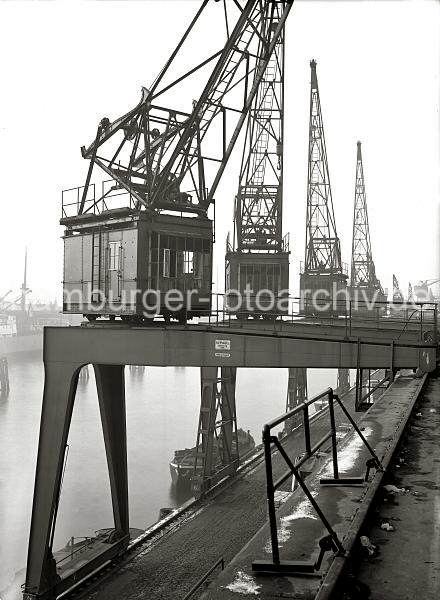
182,465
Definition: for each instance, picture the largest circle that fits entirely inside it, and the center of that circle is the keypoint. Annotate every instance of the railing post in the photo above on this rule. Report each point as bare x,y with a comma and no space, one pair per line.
307,430
350,314
331,410
271,497
435,324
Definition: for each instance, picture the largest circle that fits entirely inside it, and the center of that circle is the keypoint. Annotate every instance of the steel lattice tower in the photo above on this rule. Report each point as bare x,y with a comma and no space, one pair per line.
363,272
323,268
397,294
258,257
258,209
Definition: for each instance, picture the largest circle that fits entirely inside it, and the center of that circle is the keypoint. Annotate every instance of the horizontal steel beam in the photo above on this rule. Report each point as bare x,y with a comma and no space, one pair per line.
196,346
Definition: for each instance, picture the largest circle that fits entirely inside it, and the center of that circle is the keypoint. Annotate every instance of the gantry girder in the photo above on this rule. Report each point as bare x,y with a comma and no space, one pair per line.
169,157
363,271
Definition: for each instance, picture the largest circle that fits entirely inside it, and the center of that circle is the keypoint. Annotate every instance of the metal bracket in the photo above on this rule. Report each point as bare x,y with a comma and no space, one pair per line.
372,463
326,544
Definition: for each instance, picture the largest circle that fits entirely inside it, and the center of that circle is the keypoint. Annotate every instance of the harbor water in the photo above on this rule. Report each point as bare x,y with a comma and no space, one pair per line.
162,416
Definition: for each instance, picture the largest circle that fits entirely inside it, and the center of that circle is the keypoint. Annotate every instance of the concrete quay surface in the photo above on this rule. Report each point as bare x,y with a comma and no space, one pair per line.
408,564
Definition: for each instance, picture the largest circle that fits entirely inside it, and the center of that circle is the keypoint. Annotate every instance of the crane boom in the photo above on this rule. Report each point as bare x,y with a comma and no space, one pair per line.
163,157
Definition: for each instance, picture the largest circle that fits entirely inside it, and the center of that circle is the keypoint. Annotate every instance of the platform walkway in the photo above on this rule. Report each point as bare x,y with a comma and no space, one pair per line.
344,507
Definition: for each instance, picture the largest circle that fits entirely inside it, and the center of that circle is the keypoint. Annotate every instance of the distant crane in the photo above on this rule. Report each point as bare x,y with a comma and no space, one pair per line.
397,294
323,268
363,270
423,290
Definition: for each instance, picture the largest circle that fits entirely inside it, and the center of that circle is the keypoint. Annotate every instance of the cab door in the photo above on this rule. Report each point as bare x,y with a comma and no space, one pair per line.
114,270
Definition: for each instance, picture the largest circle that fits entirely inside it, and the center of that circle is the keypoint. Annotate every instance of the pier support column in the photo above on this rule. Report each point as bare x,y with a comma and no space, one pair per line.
343,383
216,447
4,377
228,433
111,394
60,384
296,394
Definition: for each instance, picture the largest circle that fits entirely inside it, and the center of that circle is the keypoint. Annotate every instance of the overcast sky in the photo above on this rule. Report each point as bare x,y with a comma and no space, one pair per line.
65,65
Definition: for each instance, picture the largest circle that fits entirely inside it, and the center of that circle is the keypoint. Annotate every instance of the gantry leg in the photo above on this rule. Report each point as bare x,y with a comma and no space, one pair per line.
208,412
59,392
217,446
111,395
343,384
296,394
228,416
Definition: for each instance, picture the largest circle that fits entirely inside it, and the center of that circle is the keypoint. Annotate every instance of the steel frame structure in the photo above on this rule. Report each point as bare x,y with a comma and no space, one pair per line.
343,381
217,441
363,271
323,249
258,204
296,394
68,349
159,154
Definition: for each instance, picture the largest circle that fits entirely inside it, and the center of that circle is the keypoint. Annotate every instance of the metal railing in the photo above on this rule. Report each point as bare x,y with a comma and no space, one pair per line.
271,442
110,196
419,319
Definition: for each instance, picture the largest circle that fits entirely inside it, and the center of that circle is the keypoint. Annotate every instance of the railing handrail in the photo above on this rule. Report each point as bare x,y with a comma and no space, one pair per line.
294,411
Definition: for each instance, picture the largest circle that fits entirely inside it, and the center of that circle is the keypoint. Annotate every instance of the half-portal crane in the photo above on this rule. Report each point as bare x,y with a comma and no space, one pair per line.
150,222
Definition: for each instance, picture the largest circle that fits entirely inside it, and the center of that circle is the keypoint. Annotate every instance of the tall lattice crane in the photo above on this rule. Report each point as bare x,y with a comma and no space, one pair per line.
323,268
397,294
363,271
258,257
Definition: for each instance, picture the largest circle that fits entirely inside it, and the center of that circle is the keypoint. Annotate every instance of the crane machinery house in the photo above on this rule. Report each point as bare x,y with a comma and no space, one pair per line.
124,262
